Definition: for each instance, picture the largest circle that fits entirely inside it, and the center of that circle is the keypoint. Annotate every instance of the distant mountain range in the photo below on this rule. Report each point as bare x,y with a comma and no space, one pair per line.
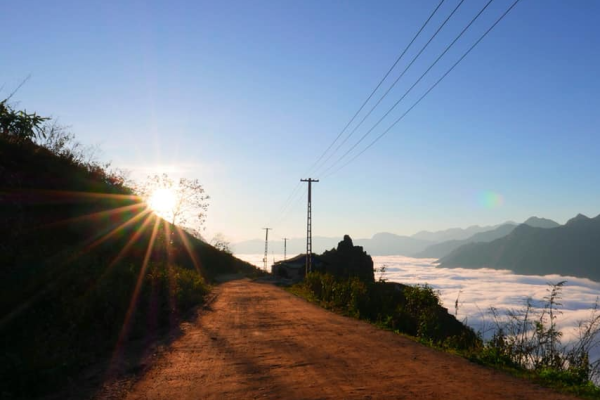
571,249
384,244
538,246
456,233
381,244
389,244
439,250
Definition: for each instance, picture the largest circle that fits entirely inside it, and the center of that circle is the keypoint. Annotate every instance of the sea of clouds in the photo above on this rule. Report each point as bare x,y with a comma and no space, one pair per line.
479,289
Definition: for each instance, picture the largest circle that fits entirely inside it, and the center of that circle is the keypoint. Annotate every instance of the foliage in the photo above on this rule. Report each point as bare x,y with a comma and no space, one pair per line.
71,254
190,200
18,124
63,144
85,312
524,341
528,339
414,310
381,273
221,243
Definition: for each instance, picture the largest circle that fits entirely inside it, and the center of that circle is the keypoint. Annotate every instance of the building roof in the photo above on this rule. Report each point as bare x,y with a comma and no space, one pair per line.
300,259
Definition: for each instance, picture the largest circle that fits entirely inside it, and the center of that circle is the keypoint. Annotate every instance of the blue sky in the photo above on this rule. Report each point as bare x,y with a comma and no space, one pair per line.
246,95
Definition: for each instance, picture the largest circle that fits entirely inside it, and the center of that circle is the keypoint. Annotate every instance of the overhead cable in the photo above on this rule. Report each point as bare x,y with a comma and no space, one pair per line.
394,83
376,87
410,89
429,90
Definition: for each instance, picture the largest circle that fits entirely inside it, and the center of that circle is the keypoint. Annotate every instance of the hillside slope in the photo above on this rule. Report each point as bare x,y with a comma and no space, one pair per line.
572,249
83,267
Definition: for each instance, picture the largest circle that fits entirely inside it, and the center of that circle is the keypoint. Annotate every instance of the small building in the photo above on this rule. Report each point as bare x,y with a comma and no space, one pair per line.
294,268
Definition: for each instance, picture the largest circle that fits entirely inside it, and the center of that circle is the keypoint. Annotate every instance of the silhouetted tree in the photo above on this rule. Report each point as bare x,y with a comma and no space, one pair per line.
190,201
221,243
19,124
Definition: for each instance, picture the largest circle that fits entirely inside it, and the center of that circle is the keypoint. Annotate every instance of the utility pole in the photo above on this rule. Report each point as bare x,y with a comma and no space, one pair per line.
266,245
309,226
285,248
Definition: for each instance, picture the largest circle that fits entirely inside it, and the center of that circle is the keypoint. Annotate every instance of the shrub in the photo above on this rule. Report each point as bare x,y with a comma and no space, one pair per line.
414,310
19,125
85,314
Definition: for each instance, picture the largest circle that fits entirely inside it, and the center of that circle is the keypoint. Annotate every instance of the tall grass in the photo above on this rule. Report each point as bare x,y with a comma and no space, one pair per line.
528,339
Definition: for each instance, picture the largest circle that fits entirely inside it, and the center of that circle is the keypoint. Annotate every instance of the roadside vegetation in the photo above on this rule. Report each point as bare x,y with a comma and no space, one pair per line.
411,310
85,266
525,343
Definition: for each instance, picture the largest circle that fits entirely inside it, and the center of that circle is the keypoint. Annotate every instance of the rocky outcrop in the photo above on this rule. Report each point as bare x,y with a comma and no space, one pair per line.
347,261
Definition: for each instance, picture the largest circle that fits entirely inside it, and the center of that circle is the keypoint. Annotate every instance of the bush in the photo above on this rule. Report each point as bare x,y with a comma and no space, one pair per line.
85,314
18,124
414,310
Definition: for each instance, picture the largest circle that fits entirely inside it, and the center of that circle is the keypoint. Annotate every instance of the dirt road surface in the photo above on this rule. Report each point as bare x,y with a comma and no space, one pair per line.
256,341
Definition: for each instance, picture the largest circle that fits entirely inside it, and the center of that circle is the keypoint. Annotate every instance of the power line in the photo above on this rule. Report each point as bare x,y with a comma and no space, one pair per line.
292,207
294,191
411,88
290,198
286,203
377,87
430,89
394,83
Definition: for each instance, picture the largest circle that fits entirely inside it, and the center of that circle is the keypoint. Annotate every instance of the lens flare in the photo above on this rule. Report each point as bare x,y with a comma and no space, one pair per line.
490,200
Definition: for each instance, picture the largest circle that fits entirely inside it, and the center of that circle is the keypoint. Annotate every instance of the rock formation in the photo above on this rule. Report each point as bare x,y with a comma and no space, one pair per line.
348,260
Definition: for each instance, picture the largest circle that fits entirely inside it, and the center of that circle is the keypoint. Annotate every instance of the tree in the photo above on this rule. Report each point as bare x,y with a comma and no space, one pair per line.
187,203
221,243
19,124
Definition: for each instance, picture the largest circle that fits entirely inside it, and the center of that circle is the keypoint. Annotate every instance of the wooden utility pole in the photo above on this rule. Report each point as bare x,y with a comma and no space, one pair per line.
285,248
266,246
309,226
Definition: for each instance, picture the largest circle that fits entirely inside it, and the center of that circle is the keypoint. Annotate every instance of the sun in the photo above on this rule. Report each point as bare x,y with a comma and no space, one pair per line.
162,202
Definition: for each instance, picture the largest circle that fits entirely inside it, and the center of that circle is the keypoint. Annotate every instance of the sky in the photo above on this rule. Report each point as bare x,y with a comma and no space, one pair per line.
245,96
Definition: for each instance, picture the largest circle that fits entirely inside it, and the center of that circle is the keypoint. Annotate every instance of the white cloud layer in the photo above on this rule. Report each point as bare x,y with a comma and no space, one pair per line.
481,289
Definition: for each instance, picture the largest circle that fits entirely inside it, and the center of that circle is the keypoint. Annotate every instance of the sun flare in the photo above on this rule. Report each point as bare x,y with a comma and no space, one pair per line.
162,202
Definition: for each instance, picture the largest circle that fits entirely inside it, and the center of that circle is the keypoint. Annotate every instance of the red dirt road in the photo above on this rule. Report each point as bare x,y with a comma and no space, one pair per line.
258,341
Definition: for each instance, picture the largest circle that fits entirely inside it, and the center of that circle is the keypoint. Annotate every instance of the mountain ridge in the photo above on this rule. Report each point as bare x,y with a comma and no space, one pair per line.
387,243
572,249
456,233
440,250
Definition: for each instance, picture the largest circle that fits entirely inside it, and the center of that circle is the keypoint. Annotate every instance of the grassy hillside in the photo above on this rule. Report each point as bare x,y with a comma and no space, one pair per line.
85,267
